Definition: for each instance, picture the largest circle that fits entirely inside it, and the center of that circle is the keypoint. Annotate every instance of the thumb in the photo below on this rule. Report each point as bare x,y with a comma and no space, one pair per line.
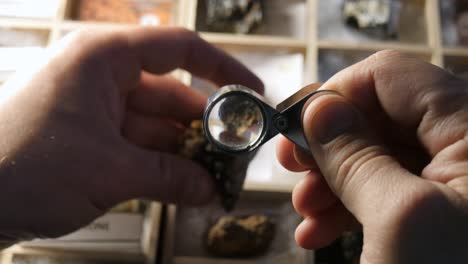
354,163
164,177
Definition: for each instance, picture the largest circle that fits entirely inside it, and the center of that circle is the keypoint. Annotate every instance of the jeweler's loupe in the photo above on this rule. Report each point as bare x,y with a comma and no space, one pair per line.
237,119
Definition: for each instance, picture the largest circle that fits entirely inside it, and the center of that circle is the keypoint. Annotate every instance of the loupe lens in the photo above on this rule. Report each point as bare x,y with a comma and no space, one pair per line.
236,122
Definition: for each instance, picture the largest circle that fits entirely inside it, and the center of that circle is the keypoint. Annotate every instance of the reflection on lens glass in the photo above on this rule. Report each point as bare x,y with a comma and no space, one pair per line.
236,122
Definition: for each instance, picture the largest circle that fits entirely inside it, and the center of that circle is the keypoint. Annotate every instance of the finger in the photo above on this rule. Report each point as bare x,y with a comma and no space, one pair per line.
163,177
356,166
313,195
414,94
304,158
320,230
165,96
161,50
285,155
450,166
152,132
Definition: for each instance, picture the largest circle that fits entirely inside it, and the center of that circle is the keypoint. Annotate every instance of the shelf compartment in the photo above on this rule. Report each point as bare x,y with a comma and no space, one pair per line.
44,9
124,11
332,61
450,16
375,46
15,58
185,228
280,18
331,23
20,37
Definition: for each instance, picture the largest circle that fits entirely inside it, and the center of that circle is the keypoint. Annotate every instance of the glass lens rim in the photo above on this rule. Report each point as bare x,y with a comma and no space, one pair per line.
225,147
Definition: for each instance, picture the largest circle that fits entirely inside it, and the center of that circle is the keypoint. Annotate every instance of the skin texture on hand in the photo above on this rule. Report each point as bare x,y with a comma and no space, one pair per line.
390,157
98,124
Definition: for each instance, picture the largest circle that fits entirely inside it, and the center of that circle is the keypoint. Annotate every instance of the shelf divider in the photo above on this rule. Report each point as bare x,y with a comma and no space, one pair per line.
26,23
375,46
254,40
311,58
434,35
59,17
456,51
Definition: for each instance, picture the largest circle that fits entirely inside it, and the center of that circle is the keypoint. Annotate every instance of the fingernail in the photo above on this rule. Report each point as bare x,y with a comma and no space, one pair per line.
331,120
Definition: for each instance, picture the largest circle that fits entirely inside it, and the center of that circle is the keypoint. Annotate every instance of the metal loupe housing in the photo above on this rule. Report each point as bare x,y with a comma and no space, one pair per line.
237,119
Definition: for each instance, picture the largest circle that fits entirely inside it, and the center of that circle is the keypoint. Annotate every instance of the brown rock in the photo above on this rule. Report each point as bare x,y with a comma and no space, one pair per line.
228,171
240,236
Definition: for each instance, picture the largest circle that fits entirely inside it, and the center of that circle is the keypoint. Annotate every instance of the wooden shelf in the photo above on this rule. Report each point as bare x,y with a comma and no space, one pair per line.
456,51
70,25
20,23
254,41
375,46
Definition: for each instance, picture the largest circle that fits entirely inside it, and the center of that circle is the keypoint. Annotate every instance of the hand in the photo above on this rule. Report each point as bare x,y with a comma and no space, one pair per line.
98,124
391,156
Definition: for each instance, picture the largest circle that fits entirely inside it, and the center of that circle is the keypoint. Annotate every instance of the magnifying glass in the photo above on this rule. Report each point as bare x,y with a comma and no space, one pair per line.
237,119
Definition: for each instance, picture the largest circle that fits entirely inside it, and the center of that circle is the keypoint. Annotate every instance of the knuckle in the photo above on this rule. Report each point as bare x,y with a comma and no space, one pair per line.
387,54
460,185
384,61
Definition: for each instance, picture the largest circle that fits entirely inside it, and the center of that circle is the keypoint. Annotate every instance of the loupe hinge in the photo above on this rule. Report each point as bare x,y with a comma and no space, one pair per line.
280,122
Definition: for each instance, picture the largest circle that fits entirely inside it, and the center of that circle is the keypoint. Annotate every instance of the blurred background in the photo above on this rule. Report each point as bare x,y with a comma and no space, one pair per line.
288,43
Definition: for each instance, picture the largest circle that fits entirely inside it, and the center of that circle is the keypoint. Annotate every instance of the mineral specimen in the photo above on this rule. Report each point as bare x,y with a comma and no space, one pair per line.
240,236
228,171
236,16
371,15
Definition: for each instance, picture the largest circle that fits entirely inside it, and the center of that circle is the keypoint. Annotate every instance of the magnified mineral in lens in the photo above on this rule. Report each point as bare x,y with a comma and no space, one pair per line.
240,114
236,122
243,236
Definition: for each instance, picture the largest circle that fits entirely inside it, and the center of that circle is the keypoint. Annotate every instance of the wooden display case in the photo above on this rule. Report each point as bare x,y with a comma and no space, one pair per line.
420,36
